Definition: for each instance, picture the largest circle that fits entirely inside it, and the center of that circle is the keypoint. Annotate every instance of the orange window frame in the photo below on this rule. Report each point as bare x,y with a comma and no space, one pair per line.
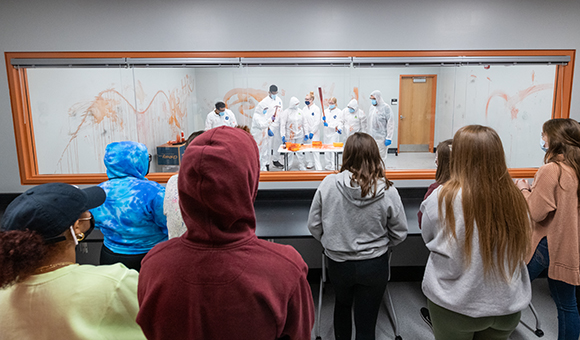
24,131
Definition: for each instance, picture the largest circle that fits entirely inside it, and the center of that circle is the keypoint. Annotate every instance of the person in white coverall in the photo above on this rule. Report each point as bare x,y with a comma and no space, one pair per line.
265,124
292,130
354,119
332,121
312,119
381,123
220,116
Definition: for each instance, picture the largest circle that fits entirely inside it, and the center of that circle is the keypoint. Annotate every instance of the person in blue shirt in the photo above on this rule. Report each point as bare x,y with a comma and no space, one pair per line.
131,219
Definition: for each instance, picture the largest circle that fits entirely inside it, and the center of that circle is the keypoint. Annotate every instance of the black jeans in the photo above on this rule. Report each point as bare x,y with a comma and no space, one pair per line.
130,261
363,284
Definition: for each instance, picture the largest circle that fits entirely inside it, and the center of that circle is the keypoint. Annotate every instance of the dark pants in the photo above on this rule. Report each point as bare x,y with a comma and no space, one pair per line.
563,294
363,284
449,325
130,261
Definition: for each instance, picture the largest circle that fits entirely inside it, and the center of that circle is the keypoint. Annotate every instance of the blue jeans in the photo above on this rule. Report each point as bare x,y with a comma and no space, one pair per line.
564,294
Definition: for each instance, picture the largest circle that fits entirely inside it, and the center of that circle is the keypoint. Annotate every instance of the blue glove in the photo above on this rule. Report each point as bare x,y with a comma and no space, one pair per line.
339,131
306,138
270,133
283,139
326,124
311,136
387,142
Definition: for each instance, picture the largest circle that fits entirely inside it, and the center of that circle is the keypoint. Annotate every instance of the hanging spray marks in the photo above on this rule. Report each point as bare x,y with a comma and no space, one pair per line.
512,101
111,116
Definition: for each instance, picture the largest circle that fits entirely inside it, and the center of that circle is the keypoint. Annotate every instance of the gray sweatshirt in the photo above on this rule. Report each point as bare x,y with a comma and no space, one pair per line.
463,289
351,227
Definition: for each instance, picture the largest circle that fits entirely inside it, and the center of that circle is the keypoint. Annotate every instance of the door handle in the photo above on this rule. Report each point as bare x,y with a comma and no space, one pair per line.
402,117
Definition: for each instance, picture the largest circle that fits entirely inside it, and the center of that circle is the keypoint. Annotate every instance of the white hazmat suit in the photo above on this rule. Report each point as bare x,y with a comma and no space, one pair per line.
214,120
261,124
381,124
312,120
292,130
332,134
355,121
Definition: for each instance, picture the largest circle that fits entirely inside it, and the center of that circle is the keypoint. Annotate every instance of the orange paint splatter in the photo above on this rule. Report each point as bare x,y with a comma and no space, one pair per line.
107,104
355,91
473,76
245,99
533,76
488,78
512,101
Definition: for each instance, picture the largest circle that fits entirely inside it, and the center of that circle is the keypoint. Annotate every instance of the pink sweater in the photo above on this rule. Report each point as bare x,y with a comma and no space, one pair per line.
554,212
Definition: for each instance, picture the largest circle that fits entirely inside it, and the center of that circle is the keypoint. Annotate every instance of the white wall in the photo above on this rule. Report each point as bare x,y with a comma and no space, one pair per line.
204,25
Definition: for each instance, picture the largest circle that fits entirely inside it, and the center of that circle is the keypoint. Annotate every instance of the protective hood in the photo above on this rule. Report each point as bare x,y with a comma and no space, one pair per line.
354,104
377,94
353,192
217,185
126,159
294,102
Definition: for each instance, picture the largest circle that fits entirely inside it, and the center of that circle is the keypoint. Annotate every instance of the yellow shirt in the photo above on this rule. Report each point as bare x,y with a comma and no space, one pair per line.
73,302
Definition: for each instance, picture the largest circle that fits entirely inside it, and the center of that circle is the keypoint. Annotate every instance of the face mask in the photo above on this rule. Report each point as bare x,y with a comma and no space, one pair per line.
222,113
265,111
351,110
332,106
374,101
543,145
273,96
307,102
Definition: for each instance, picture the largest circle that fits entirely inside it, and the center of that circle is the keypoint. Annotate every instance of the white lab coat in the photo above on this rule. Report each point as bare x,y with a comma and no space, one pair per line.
334,120
353,122
381,123
292,129
312,122
214,120
261,123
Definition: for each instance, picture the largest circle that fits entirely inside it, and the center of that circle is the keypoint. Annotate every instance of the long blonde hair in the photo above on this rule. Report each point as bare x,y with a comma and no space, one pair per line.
490,200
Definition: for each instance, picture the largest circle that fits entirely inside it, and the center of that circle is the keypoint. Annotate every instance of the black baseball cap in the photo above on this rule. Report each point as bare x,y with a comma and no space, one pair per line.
50,209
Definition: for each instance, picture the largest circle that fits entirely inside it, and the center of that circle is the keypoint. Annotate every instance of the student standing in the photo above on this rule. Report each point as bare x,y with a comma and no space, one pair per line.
381,123
44,294
553,201
219,281
220,116
477,228
131,219
312,121
265,125
357,215
332,122
354,119
292,130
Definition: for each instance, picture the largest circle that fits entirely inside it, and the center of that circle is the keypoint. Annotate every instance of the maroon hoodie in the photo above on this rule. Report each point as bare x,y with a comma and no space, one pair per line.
219,281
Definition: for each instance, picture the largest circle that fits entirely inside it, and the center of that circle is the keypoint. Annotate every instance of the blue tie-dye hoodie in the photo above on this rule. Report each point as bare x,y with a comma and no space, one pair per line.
131,218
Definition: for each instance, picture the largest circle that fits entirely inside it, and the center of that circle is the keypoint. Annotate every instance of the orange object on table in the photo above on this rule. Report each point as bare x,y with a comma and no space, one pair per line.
316,144
337,144
292,146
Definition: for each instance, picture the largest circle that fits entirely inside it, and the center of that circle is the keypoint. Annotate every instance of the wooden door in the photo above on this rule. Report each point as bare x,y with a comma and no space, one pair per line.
417,94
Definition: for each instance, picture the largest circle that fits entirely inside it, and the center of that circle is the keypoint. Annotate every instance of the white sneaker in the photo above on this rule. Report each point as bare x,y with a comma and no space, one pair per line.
309,166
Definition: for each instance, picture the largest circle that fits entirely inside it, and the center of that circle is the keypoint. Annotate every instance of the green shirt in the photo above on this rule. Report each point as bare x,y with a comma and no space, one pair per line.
73,302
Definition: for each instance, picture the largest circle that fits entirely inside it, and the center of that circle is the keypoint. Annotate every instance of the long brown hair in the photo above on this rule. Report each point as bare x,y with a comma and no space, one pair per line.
490,200
361,157
563,141
443,161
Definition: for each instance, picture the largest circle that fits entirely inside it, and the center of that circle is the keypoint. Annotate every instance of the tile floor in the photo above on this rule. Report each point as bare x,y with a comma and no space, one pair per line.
408,299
